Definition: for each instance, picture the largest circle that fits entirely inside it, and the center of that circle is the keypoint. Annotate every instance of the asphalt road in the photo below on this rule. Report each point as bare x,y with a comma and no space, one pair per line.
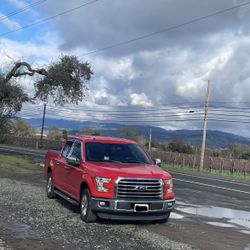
211,212
40,154
232,187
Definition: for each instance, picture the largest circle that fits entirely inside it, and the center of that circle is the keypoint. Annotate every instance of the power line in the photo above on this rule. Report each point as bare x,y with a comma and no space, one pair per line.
198,19
230,107
179,110
41,21
145,116
23,9
128,113
78,118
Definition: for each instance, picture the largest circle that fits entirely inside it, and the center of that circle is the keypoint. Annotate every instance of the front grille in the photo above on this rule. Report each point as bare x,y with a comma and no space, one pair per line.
143,189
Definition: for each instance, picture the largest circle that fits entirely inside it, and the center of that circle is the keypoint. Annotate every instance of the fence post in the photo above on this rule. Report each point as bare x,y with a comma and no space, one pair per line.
174,162
194,161
244,171
210,164
233,166
221,165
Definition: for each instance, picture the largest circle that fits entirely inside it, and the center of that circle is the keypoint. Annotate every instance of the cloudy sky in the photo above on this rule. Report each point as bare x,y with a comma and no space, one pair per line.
165,73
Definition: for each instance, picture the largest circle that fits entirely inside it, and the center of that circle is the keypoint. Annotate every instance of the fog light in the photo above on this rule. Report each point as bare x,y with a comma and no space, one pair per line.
103,204
169,204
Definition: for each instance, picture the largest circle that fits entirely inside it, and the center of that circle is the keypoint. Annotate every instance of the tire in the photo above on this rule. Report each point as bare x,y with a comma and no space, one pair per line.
166,219
86,212
50,189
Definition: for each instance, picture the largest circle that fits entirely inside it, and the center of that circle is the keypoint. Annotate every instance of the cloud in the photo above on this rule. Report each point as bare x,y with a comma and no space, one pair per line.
22,5
124,20
167,69
11,25
18,3
140,100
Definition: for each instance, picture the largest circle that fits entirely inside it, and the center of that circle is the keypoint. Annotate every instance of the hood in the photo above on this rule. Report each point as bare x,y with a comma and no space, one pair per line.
128,170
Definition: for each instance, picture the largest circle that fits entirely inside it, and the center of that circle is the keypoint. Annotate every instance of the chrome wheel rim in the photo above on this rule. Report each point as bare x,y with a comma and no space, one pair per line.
84,205
49,185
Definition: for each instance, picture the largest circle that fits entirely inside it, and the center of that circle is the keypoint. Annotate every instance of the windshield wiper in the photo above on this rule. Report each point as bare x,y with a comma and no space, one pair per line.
133,161
112,161
103,160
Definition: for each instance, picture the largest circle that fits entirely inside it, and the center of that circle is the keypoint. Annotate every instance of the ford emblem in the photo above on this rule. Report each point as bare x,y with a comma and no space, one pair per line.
141,188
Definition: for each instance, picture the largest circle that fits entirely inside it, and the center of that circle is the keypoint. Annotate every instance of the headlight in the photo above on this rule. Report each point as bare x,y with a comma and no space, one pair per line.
169,182
100,181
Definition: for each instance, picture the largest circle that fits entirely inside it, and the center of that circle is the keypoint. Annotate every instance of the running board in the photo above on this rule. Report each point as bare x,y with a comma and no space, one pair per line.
67,198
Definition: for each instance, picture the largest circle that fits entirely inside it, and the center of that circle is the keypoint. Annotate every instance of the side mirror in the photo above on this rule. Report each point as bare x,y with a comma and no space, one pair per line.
158,162
73,161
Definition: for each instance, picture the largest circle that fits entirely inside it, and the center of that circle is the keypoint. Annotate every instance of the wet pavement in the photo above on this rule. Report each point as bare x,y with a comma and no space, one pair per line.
220,217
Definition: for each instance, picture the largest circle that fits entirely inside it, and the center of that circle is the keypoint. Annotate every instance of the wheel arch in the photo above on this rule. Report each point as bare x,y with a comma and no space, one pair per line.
83,186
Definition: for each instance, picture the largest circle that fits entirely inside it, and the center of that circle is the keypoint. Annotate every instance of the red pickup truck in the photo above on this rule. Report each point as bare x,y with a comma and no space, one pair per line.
111,178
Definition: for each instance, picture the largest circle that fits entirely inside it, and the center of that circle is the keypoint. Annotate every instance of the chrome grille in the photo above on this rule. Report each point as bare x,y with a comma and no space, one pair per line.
143,189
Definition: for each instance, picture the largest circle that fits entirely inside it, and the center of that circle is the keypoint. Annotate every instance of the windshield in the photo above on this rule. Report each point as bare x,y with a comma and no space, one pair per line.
117,153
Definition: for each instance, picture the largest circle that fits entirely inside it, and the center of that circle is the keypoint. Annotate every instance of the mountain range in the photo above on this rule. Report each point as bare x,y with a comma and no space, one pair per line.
215,139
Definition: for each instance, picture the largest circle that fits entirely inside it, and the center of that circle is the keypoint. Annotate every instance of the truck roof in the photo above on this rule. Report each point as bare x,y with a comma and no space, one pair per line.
103,139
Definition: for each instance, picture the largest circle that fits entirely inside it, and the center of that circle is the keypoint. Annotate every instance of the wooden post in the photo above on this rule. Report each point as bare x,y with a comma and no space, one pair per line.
233,166
210,164
44,112
221,165
194,161
203,146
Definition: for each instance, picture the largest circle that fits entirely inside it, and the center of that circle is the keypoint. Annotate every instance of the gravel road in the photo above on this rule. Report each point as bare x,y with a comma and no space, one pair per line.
29,220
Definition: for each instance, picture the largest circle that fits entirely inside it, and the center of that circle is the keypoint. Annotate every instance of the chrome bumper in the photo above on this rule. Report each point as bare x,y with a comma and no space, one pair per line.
133,209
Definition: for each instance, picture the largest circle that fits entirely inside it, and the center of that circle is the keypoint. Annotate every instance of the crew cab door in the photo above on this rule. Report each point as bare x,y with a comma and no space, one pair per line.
60,164
73,172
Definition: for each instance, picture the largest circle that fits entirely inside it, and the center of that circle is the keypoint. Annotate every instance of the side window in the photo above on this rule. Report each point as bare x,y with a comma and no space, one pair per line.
77,150
67,148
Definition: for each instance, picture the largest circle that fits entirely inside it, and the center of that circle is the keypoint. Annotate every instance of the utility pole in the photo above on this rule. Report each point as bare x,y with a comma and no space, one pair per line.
204,128
44,112
150,139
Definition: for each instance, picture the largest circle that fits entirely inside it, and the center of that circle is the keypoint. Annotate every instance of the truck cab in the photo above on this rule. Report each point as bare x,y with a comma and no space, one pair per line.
111,178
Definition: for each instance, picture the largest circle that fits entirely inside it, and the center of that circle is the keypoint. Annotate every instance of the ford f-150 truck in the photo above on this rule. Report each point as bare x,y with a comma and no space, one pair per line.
110,178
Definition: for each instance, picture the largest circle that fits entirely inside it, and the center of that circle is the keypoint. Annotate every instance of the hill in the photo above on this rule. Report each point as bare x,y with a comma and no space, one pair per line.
215,139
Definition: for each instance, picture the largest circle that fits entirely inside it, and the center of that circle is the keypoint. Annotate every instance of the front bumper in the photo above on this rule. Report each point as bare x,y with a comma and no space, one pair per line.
132,209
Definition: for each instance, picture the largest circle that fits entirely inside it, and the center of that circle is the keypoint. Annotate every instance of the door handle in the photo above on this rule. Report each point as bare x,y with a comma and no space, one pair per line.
66,167
57,163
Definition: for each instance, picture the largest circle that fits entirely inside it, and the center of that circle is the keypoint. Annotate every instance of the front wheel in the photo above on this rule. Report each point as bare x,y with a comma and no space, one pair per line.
87,214
50,189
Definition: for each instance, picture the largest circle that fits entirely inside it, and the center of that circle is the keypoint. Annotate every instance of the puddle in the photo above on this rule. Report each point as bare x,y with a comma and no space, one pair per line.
176,216
233,217
245,232
4,246
247,247
220,224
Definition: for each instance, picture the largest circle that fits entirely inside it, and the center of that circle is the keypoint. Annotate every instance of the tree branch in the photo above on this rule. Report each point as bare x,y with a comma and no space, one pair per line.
14,71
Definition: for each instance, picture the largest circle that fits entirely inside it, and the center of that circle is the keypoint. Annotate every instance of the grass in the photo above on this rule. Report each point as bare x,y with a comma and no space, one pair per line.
214,172
17,164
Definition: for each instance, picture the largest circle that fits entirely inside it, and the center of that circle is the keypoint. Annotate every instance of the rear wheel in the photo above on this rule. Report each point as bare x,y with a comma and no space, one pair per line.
87,214
50,189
